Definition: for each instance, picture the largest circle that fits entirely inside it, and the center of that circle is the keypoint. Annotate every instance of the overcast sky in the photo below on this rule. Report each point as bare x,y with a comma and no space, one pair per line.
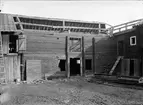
111,12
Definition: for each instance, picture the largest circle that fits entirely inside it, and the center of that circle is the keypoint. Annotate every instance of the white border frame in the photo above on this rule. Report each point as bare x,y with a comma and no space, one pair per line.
133,44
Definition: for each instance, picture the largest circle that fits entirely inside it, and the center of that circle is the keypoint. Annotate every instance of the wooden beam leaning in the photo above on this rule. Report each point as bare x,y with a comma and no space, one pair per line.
93,55
67,58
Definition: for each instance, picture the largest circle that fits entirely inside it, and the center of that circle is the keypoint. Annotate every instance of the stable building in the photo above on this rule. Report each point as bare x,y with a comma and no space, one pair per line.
36,47
126,42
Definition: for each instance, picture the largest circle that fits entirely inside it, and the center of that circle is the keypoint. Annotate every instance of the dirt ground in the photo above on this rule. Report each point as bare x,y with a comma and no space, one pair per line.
74,91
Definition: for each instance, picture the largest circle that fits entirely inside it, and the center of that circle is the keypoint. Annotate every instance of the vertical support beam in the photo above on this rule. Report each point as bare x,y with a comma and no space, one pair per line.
18,69
99,28
22,66
63,25
83,57
67,58
93,55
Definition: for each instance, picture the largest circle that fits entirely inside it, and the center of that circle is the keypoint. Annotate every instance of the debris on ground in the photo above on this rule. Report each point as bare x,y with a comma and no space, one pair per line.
68,91
38,81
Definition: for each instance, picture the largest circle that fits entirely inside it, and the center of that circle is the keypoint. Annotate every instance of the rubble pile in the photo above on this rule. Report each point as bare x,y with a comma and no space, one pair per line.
38,81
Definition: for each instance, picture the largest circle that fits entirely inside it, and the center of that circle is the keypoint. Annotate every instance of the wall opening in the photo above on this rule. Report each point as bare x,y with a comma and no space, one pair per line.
62,64
131,67
120,48
74,66
12,43
88,64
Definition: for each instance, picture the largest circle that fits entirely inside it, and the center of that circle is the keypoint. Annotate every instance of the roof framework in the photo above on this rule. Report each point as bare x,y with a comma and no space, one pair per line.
19,22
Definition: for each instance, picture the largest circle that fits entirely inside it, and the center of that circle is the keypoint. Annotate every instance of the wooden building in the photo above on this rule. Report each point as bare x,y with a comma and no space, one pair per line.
35,47
127,44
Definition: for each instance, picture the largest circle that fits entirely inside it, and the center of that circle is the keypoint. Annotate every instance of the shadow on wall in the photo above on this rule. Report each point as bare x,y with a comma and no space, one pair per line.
105,54
105,57
50,66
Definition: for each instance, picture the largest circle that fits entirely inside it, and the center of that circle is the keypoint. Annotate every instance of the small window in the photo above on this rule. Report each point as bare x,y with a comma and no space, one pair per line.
133,40
12,43
15,19
18,26
102,26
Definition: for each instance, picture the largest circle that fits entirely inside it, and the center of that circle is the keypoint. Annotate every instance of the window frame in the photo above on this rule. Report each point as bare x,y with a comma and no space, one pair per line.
131,41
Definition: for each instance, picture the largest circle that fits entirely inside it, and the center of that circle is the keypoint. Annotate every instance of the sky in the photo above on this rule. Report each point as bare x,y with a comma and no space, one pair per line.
110,12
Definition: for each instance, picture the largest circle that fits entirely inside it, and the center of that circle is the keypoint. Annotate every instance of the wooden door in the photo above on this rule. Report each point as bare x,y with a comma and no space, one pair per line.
120,48
12,67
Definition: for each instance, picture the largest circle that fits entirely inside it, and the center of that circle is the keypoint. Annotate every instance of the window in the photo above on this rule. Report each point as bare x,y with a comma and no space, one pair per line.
12,43
75,45
15,19
102,26
133,40
18,26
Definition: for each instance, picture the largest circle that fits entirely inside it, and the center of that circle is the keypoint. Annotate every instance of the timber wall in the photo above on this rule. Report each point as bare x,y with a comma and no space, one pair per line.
105,55
46,49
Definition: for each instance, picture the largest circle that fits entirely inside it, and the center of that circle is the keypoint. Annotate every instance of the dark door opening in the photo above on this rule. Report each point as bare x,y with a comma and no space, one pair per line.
120,48
12,43
62,64
131,67
74,66
88,64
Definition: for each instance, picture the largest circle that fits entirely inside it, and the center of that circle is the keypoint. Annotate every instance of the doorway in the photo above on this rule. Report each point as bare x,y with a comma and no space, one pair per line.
74,66
88,64
131,67
13,43
62,64
120,48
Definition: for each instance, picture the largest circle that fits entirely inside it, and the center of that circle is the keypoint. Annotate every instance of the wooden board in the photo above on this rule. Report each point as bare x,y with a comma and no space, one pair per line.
136,67
12,67
33,70
5,43
127,72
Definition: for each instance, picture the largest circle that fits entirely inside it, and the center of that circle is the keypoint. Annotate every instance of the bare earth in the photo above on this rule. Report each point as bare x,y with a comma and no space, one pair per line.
68,92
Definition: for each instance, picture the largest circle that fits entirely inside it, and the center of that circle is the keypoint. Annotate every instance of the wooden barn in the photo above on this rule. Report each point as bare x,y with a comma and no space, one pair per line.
127,45
35,47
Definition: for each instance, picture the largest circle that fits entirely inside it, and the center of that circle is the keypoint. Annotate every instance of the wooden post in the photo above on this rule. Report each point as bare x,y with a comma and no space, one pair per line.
63,25
67,58
83,58
22,66
99,29
93,55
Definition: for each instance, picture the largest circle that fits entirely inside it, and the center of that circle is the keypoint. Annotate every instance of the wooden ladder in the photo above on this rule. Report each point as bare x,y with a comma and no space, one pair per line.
115,64
2,69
